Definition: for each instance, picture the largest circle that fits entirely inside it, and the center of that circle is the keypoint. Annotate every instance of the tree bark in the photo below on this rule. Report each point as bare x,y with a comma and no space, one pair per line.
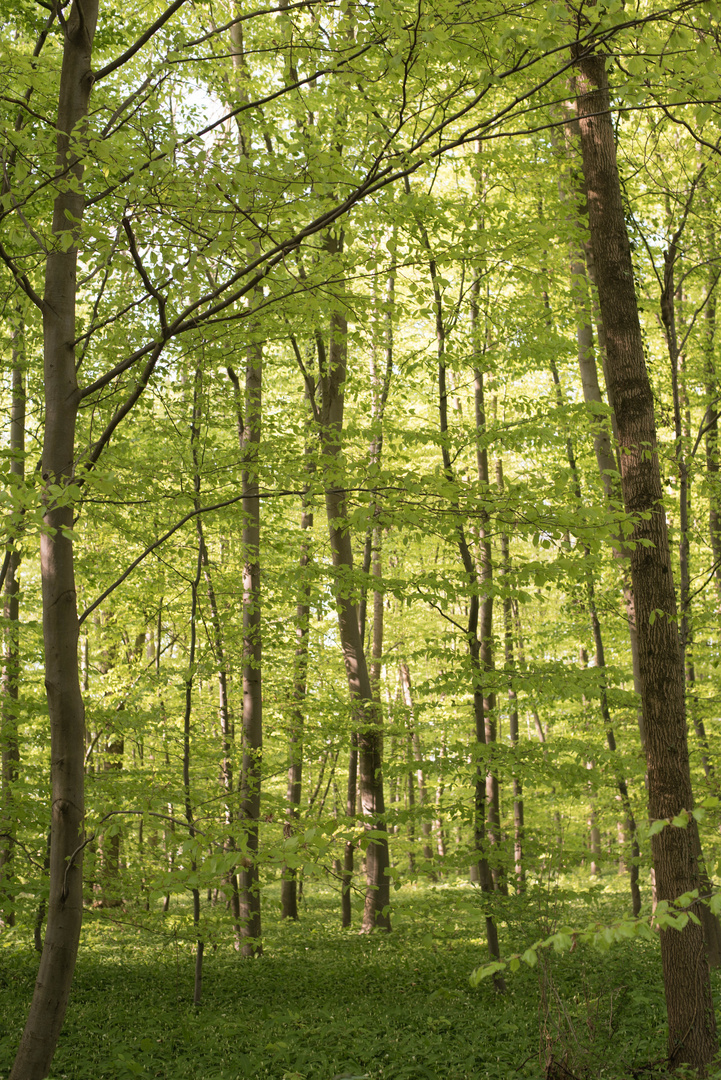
486,619
289,882
582,267
711,924
518,814
10,680
691,1020
367,717
249,409
60,618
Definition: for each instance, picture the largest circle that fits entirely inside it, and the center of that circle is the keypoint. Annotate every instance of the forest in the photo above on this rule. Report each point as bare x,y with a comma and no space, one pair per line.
361,567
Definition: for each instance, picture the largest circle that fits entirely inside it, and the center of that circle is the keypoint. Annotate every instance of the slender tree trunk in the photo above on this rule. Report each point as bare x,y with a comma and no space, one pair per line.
426,827
227,731
60,619
712,408
187,798
10,680
416,756
249,406
478,676
289,882
367,714
518,818
711,924
691,1019
486,619
439,828
351,794
603,688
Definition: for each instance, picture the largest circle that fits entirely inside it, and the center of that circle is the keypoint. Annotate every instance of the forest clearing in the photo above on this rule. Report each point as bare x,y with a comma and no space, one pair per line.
361,516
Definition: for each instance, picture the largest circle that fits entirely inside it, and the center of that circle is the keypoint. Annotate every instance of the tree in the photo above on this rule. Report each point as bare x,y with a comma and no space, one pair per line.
692,1029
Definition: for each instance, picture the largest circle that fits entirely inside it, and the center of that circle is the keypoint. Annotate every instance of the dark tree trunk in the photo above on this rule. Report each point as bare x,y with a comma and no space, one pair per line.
486,621
582,270
367,717
249,407
691,1019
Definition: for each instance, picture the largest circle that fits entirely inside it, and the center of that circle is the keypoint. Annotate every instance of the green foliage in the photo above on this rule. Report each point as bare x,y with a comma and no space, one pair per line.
322,1002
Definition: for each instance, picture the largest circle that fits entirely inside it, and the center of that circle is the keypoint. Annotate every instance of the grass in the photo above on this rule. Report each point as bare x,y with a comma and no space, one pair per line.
323,1002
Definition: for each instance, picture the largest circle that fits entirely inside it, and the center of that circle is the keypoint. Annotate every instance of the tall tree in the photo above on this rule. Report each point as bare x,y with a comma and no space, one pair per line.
691,1019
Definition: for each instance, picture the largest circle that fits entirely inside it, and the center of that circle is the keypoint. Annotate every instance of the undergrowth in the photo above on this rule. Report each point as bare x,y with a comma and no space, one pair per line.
322,1002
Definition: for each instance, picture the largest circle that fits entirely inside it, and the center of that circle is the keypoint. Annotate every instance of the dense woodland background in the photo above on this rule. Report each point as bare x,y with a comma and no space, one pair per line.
334,268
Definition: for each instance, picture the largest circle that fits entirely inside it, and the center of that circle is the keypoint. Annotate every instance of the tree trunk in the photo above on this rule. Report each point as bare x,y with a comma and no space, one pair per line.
518,819
486,620
367,717
249,409
691,1020
10,680
426,828
60,618
603,688
289,882
711,924
582,269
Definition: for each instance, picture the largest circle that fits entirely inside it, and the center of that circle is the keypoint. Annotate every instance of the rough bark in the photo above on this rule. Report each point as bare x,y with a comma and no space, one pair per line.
691,1020
582,267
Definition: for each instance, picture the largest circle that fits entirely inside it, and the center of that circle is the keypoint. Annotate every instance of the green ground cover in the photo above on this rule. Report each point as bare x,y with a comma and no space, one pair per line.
323,1002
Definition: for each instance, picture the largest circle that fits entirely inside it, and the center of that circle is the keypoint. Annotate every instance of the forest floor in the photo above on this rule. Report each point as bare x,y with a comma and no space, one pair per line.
324,1002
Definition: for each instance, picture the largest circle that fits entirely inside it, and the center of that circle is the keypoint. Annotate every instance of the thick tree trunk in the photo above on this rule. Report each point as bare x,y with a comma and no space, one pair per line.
60,618
582,268
691,1020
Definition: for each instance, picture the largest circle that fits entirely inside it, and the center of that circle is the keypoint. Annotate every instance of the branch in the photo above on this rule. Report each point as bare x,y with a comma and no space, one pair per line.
22,279
463,629
124,57
159,298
